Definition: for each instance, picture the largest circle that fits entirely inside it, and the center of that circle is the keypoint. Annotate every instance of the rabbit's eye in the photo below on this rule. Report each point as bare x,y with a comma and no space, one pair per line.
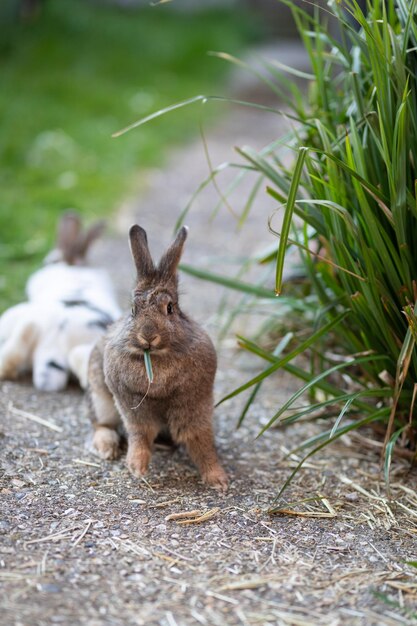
170,308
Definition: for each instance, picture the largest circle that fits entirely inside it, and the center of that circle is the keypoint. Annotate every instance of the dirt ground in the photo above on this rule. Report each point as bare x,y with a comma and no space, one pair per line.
83,542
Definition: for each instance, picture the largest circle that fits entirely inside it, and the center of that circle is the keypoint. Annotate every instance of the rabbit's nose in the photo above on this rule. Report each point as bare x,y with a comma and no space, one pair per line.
143,342
155,341
149,342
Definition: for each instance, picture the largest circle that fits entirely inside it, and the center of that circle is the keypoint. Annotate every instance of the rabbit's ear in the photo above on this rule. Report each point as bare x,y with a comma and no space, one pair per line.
140,252
69,228
169,262
86,239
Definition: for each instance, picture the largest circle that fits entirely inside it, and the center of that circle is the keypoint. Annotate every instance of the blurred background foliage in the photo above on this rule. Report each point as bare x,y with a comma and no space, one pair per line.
73,73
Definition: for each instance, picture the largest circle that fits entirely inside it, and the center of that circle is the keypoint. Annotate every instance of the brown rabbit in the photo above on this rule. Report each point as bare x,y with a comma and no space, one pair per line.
180,398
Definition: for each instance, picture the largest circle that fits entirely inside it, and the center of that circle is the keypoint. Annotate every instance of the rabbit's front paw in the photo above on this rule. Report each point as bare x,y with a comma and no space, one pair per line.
137,461
216,478
106,442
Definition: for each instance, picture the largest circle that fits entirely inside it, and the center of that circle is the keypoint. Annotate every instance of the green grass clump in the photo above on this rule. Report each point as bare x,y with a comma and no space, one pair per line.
69,79
354,189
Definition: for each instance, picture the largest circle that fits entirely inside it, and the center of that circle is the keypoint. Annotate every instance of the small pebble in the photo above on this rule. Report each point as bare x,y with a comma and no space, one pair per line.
49,588
18,483
353,496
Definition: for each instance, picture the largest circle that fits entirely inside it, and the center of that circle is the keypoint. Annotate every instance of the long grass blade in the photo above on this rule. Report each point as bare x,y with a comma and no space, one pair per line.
278,350
288,218
148,365
388,454
311,383
373,417
284,360
231,283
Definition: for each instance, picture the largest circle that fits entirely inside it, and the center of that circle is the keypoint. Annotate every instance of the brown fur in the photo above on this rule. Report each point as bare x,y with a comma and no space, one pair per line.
180,399
72,241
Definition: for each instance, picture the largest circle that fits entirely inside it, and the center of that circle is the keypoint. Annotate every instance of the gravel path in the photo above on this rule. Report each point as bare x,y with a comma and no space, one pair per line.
84,543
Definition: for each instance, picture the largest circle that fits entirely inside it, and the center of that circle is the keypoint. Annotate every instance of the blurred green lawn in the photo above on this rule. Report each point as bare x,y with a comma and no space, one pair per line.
68,80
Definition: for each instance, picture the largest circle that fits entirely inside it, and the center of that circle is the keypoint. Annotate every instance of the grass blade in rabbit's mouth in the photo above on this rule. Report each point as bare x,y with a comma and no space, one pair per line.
148,365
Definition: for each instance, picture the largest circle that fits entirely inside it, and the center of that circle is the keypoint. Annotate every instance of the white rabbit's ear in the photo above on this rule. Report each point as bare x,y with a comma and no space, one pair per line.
69,228
140,252
169,262
86,239
72,243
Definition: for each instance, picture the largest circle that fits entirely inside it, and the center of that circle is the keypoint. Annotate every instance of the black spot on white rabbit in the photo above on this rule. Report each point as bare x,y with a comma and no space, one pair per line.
69,307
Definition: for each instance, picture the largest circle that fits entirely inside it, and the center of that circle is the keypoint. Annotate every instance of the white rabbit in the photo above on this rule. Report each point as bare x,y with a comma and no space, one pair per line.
69,307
